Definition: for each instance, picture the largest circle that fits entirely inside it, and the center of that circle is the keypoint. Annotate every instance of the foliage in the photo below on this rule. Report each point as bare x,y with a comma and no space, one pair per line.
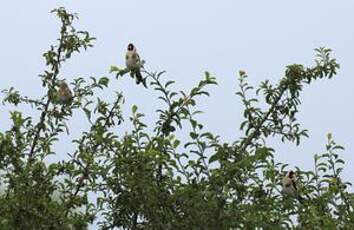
156,180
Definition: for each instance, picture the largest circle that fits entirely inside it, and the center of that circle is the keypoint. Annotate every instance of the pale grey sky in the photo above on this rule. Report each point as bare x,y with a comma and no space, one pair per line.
186,38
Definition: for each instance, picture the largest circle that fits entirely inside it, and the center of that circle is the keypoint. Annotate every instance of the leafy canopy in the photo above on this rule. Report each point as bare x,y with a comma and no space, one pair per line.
155,179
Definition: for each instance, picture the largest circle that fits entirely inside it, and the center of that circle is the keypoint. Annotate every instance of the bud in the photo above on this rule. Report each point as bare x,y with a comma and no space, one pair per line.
242,73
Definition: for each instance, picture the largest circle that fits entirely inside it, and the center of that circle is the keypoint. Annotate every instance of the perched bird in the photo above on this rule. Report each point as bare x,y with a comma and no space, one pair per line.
289,186
133,63
65,94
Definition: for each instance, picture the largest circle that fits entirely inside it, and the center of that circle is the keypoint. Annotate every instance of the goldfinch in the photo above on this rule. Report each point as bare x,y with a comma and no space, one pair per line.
133,63
289,186
65,94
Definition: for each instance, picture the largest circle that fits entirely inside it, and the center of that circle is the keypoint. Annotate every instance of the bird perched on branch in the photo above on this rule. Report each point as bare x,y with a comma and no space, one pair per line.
65,94
133,63
289,186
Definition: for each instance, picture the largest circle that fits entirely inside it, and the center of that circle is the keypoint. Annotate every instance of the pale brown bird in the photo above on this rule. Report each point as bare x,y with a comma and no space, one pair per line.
65,94
289,186
133,63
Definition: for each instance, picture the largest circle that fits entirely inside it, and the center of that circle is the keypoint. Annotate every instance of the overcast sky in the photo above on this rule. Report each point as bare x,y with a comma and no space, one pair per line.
186,38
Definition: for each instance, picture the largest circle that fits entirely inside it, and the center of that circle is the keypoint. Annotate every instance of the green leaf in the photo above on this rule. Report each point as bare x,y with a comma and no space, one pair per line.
104,81
193,135
213,158
134,109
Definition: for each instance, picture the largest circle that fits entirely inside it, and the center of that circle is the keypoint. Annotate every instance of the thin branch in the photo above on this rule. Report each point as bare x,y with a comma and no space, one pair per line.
246,142
94,149
200,148
40,124
31,101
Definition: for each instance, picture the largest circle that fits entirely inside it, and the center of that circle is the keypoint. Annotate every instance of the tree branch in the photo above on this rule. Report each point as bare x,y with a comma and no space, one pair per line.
87,167
246,142
40,124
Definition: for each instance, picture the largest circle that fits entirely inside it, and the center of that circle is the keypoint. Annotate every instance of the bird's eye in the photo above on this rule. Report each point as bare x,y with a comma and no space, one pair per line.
130,47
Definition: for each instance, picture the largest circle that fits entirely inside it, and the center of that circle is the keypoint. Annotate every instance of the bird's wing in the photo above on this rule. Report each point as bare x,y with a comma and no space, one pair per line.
70,93
137,58
294,184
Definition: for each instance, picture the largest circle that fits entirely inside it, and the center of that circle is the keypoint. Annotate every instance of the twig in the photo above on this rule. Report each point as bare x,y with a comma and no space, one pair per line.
87,167
46,106
246,142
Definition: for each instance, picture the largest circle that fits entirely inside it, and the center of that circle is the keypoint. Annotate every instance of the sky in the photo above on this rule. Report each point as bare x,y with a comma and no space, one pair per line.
186,38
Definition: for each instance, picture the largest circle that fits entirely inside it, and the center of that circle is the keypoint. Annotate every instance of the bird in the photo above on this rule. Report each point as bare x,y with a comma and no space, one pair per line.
65,94
289,186
133,64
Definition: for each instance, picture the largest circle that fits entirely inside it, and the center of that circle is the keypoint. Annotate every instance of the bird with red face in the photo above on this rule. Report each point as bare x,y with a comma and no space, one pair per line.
133,63
289,186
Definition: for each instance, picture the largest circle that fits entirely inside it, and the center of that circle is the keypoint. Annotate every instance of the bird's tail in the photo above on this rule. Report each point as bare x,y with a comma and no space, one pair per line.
300,199
139,78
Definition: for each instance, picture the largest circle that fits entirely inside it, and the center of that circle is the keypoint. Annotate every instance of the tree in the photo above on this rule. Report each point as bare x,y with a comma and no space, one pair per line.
154,180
